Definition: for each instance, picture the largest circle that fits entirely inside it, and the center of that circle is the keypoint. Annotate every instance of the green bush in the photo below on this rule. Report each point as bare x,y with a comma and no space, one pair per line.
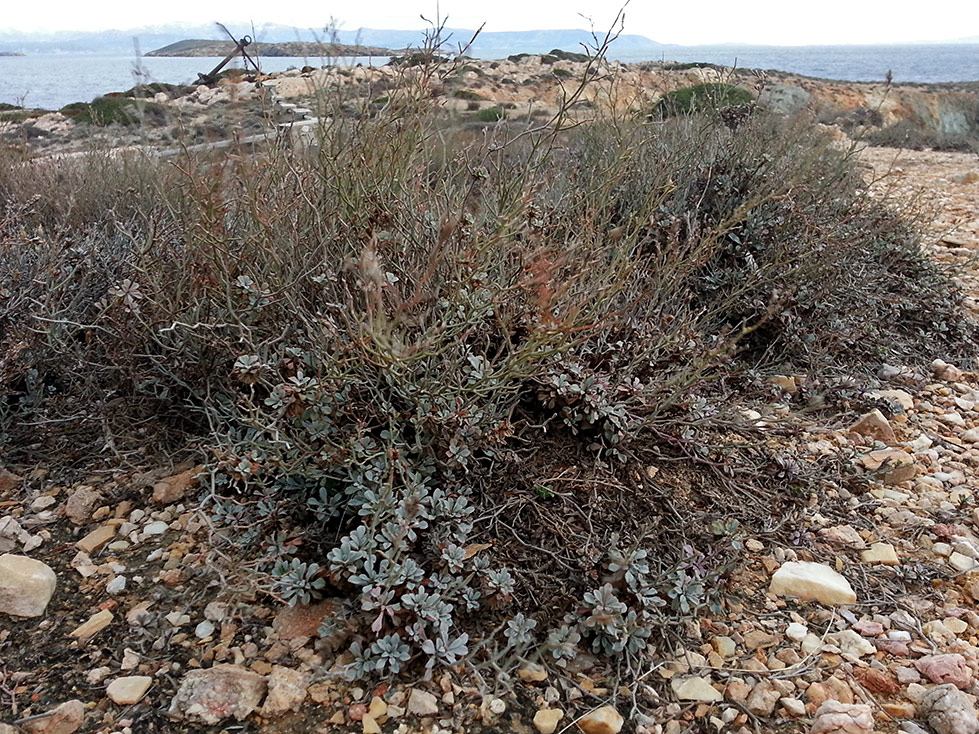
467,94
118,109
701,98
568,56
562,73
491,114
684,66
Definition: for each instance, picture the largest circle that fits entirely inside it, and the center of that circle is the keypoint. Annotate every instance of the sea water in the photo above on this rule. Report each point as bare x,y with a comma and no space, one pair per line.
52,81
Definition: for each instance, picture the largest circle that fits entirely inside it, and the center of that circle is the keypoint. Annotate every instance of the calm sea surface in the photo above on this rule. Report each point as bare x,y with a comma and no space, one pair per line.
50,82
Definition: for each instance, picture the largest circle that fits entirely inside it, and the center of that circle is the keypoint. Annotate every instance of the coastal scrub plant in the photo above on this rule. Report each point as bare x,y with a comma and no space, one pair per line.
395,347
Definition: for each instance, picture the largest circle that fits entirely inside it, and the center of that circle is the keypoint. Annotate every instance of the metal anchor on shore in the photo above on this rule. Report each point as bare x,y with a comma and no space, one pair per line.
240,44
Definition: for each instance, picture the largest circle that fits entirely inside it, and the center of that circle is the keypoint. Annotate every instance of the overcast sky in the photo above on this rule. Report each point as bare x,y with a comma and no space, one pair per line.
782,22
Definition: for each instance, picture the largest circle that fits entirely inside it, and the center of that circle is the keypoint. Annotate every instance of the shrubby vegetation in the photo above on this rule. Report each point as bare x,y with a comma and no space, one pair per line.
701,98
111,109
391,347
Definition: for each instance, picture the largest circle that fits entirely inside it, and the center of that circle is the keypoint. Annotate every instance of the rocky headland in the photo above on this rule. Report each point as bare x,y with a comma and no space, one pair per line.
523,87
310,49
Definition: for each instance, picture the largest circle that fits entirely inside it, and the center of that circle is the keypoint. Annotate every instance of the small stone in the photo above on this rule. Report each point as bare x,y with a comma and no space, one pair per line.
868,628
796,632
80,504
882,553
496,706
172,489
808,580
695,688
891,465
874,425
26,586
793,707
93,625
947,668
949,711
546,720
851,643
876,681
422,703
204,629
9,480
43,502
64,719
843,535
218,693
759,639
116,586
157,527
128,690
962,563
605,720
286,690
177,618
96,539
762,700
833,717
724,646
532,673
956,626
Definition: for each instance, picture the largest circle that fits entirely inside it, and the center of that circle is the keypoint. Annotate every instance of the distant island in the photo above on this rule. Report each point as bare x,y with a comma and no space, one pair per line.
197,48
11,53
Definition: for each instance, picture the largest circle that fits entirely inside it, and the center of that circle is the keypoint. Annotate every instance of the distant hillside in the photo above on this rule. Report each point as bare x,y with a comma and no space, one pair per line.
197,48
494,44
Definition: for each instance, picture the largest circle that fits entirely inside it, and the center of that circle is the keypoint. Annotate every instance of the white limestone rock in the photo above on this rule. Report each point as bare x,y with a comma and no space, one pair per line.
807,580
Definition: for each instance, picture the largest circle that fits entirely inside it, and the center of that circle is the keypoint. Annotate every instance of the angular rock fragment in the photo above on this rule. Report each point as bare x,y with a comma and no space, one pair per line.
949,711
218,693
694,688
812,581
546,720
882,553
604,720
892,466
874,426
833,717
948,668
26,586
65,719
286,692
128,690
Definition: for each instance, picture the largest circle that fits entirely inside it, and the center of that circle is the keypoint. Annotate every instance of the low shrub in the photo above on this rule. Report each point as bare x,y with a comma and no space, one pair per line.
687,65
393,346
491,114
701,98
467,94
568,56
109,110
920,135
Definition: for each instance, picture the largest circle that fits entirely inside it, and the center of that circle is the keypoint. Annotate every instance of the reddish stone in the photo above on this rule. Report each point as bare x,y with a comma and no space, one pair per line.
897,648
868,629
876,681
949,668
302,620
